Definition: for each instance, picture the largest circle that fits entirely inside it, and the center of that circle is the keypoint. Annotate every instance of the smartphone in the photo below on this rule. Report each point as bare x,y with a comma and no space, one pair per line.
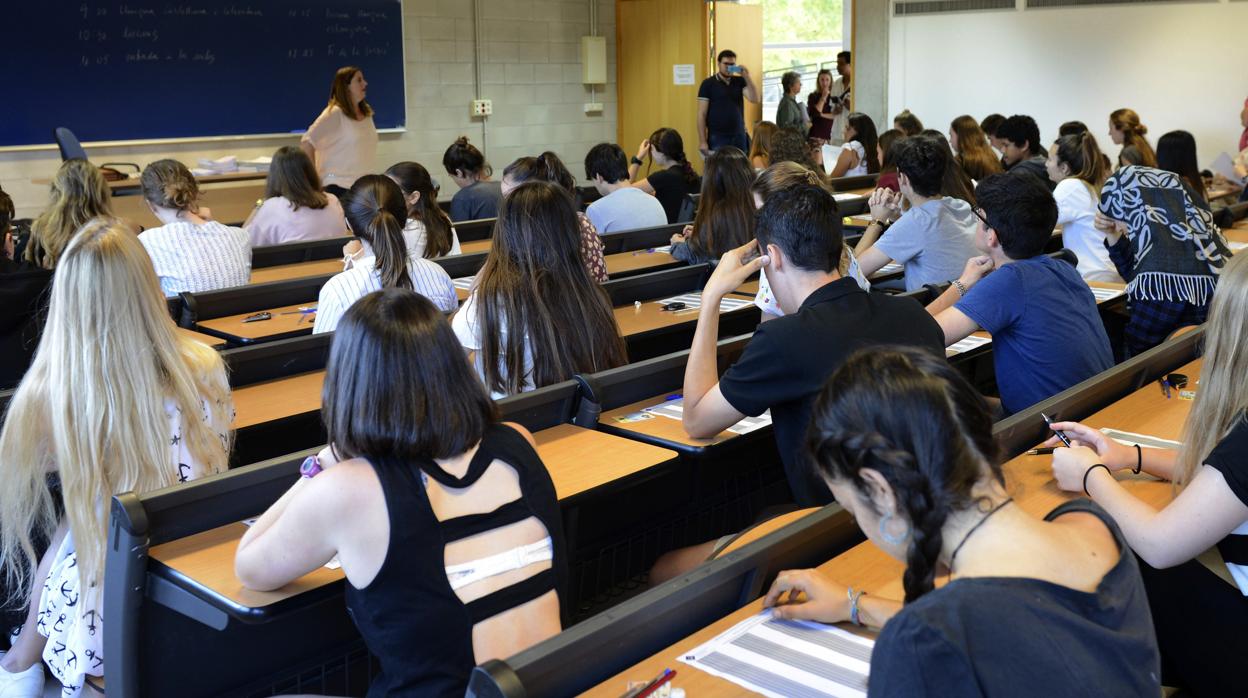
734,70
677,305
258,317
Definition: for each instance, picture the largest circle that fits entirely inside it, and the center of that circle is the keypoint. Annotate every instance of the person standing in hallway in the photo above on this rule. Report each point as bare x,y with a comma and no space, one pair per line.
721,105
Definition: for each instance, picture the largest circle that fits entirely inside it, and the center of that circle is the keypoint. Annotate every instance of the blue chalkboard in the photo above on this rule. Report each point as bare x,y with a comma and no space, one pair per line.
143,69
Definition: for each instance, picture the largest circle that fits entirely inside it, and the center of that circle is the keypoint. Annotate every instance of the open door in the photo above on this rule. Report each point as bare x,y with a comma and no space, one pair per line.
663,47
740,28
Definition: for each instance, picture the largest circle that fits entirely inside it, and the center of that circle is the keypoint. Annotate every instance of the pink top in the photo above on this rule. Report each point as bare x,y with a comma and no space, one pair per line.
276,222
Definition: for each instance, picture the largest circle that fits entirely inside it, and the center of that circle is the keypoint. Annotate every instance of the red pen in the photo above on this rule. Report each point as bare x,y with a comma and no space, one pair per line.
655,685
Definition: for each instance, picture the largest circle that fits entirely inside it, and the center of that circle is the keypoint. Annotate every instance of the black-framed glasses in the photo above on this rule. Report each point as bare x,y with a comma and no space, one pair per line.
983,217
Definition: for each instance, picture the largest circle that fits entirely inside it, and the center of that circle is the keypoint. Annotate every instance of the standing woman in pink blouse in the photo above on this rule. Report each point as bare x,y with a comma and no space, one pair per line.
343,140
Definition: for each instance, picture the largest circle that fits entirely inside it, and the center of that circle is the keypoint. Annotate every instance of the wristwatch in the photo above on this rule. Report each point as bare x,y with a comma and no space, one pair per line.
635,160
882,224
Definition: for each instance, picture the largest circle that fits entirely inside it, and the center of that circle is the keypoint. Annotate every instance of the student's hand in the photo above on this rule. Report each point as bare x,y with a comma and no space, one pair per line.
825,600
734,268
643,150
1071,464
678,238
1114,455
884,205
976,269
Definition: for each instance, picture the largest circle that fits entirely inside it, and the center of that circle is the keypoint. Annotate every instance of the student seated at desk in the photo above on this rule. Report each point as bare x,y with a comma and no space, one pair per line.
376,211
1022,152
428,231
1167,249
191,252
826,317
79,193
1199,603
935,237
547,167
1035,607
887,149
1126,130
115,401
1079,167
725,218
477,197
974,155
859,155
675,178
1047,334
445,521
956,182
294,206
1176,152
535,316
622,206
23,288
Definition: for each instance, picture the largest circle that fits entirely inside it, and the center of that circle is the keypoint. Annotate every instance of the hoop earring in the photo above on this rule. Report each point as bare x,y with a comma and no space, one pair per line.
890,538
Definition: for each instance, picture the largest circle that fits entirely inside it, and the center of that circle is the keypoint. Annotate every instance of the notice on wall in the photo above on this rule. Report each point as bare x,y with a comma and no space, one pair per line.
682,74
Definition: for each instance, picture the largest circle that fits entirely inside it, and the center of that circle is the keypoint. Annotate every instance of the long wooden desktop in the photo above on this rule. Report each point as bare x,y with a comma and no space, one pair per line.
1029,479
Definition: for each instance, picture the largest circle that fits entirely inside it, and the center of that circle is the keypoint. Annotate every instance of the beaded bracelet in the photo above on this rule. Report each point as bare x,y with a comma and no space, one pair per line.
854,616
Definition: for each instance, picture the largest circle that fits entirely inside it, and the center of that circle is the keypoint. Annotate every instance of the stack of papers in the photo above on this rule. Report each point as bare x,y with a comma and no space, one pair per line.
890,268
1127,438
784,658
1106,294
1237,246
260,164
693,301
464,282
221,165
967,344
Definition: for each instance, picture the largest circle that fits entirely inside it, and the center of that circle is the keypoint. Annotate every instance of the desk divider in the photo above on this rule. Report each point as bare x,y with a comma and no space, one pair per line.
244,299
296,252
479,229
639,238
657,284
602,646
840,184
285,357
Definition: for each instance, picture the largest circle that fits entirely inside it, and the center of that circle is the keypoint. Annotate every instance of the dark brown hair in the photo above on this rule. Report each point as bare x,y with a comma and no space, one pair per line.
376,211
293,177
397,389
462,156
975,156
908,123
787,145
668,141
1084,158
725,218
340,94
168,184
1133,132
864,133
7,212
535,286
413,177
546,167
888,144
914,419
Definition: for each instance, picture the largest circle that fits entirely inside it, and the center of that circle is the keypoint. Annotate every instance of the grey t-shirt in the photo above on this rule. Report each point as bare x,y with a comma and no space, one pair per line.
933,241
626,209
476,201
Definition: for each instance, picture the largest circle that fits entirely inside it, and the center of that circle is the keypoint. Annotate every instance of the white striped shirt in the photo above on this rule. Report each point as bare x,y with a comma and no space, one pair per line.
196,258
340,292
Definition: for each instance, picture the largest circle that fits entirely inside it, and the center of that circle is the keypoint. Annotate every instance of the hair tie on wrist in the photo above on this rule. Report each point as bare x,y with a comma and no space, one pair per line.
1088,472
1139,460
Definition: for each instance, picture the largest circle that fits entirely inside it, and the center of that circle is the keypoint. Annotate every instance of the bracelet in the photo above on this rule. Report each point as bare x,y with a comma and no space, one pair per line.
958,285
882,224
854,613
1139,460
1088,472
635,160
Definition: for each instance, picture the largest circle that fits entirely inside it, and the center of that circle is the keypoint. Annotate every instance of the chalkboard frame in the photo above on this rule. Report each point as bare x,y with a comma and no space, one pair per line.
236,137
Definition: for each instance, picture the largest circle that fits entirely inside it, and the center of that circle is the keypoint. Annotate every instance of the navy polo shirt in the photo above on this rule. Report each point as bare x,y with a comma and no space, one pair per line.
726,112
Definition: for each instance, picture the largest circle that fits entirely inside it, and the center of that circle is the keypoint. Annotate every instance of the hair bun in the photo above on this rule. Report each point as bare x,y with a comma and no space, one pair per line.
1142,130
462,140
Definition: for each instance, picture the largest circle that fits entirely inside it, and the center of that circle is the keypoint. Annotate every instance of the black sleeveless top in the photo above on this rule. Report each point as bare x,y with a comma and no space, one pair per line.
410,618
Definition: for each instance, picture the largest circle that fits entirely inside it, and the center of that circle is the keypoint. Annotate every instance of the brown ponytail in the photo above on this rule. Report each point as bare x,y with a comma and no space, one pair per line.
413,177
546,167
168,184
1133,132
376,212
1084,158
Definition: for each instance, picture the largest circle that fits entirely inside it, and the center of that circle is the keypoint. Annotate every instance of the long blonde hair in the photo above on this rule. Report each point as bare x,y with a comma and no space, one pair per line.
1223,395
92,405
79,193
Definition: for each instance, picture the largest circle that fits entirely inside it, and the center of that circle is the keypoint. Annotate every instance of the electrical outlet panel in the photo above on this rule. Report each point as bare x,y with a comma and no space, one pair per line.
482,107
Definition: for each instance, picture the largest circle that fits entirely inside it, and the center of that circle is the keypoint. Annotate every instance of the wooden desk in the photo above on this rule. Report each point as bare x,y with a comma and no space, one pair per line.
276,399
286,322
635,320
763,529
579,460
639,261
1237,232
213,342
132,183
658,427
1030,480
283,272
230,205
749,288
473,246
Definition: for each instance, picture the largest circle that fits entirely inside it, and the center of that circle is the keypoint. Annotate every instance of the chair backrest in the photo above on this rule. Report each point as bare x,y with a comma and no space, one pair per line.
688,209
296,252
644,287
479,229
598,648
272,360
68,144
1066,255
244,299
855,182
639,238
461,265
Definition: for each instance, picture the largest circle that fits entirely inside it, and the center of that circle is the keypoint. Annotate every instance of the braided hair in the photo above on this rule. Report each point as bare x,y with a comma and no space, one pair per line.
908,415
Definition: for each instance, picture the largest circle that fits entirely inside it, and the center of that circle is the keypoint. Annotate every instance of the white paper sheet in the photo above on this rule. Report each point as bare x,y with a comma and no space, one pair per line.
1106,294
693,301
1127,438
971,342
674,409
787,659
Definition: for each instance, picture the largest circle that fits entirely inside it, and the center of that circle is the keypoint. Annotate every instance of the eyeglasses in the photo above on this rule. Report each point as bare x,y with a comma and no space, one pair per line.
983,217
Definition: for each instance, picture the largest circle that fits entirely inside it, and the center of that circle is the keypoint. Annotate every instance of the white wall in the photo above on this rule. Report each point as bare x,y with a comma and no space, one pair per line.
1179,65
530,69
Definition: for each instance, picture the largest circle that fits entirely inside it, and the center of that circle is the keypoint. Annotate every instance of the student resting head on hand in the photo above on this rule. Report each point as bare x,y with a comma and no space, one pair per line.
906,445
116,400
429,487
725,218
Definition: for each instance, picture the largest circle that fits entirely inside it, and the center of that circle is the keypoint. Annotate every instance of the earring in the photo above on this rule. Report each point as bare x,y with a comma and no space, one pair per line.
890,538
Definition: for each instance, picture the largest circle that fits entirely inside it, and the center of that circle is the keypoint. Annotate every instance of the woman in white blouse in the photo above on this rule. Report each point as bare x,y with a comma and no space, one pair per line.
376,212
343,140
1079,168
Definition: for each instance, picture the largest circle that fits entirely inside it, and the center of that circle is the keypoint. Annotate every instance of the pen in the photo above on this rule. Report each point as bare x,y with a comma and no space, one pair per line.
1060,435
651,686
1042,451
1165,387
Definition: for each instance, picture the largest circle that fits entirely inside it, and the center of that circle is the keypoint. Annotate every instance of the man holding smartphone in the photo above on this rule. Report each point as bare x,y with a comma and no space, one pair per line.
721,110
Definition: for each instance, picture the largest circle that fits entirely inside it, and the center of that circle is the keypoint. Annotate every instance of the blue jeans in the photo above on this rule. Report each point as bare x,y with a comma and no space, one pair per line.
715,141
